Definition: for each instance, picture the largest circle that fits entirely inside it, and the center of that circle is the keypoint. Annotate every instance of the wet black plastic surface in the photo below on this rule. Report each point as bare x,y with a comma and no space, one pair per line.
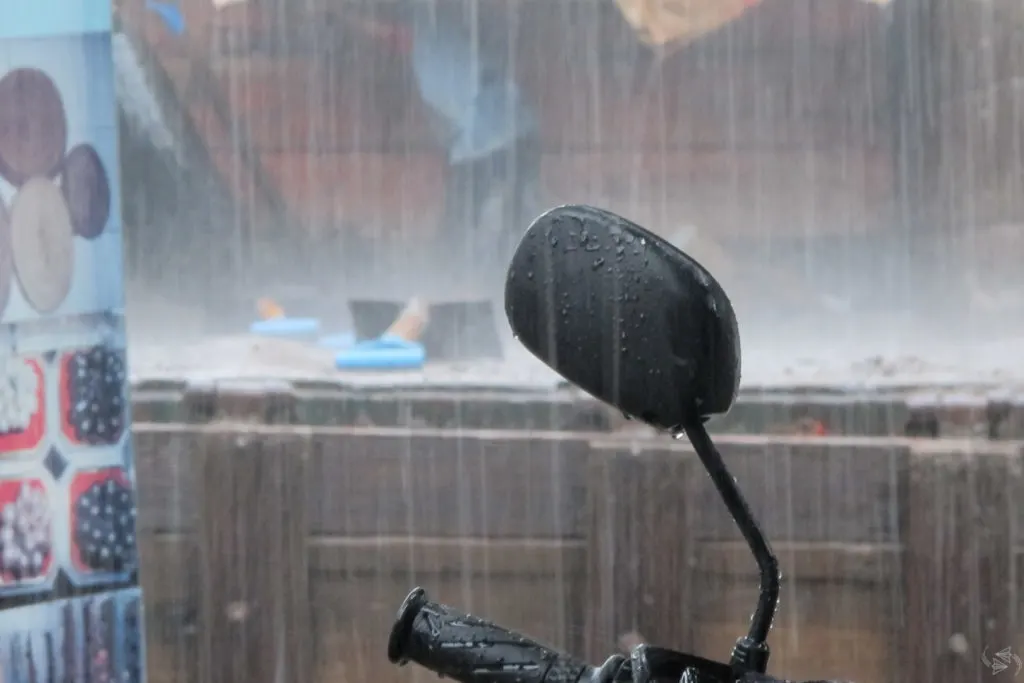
625,316
472,650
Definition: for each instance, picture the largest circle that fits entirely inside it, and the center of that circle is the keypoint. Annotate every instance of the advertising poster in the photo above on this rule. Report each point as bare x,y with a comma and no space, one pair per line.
70,607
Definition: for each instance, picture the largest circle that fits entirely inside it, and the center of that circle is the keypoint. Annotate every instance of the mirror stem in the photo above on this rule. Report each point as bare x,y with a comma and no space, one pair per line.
751,651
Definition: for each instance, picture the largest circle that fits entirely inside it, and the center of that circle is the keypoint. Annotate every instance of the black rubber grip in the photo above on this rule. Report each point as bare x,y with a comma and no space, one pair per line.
472,650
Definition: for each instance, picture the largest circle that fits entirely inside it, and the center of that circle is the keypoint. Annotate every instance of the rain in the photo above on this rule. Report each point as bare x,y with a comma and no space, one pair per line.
320,202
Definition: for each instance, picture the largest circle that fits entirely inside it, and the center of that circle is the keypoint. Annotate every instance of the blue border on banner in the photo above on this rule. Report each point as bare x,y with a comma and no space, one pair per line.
42,18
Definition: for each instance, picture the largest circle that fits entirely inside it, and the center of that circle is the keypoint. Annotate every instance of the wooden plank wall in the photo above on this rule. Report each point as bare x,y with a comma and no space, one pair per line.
898,555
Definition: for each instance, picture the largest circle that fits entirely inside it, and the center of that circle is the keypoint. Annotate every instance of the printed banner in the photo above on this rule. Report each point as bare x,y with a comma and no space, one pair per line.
70,607
93,638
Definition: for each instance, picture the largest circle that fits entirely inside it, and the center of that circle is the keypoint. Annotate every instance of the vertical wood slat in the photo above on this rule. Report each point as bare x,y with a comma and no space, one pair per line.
527,585
172,599
638,550
446,483
960,508
253,565
958,511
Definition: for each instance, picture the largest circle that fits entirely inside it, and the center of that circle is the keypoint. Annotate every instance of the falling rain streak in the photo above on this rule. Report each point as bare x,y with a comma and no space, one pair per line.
851,171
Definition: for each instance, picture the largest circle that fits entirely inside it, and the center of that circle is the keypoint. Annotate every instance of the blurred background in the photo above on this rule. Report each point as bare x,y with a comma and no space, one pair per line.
852,171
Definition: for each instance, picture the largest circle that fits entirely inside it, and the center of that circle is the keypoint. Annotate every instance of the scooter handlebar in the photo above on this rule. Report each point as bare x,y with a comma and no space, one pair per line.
471,650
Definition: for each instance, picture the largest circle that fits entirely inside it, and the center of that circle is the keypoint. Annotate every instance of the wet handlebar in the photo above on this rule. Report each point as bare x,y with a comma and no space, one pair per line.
471,650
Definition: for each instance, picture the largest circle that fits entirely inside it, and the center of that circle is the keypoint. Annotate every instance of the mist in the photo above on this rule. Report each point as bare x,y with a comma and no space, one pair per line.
852,181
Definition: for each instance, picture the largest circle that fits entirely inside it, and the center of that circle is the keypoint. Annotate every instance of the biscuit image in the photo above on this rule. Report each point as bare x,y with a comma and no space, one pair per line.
43,244
86,189
33,126
6,258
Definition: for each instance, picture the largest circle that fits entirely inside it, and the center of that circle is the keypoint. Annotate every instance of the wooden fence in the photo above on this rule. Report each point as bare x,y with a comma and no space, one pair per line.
281,553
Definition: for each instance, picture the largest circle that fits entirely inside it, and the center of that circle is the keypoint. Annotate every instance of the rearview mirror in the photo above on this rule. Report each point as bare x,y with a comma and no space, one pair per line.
625,316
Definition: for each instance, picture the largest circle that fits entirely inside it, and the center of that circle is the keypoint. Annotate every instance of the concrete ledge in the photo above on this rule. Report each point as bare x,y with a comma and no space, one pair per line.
931,414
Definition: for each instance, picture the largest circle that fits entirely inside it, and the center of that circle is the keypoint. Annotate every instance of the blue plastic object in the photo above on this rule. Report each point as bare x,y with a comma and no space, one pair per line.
286,327
386,353
169,14
337,341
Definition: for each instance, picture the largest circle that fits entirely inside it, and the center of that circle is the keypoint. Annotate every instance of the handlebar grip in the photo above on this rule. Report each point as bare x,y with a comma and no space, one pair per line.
471,650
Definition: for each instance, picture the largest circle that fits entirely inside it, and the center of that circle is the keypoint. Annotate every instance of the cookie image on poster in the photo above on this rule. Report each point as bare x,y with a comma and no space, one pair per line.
25,531
43,243
60,237
86,189
6,257
103,523
22,405
33,126
93,400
